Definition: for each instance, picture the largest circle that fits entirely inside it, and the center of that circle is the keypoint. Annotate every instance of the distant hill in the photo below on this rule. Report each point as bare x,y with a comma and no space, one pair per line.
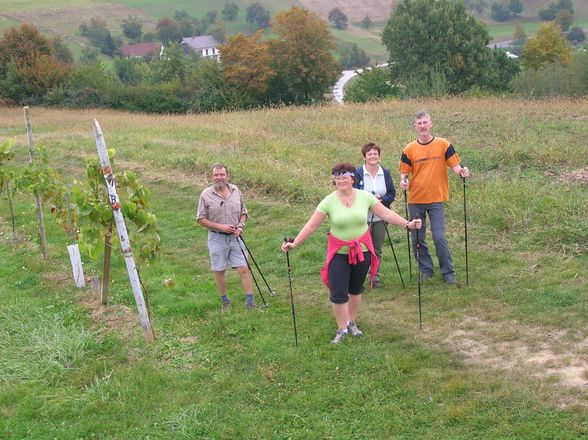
356,10
63,17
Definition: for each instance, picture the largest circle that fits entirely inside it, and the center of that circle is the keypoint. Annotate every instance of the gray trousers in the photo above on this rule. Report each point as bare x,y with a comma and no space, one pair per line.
436,212
378,232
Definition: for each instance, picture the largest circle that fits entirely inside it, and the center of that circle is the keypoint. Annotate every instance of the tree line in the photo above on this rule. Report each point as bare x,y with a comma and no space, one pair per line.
295,67
435,48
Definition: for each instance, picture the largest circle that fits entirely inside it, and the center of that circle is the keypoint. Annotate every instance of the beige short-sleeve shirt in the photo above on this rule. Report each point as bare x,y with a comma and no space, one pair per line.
214,207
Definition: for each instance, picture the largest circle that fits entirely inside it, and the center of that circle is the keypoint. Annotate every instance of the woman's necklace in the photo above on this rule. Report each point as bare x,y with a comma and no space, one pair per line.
347,199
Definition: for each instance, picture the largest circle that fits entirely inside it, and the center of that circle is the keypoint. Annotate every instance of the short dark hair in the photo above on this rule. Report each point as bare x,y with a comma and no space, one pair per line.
370,146
220,165
342,168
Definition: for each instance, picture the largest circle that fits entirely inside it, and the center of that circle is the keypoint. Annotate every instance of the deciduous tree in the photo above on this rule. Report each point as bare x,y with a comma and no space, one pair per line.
167,31
132,28
62,52
546,47
352,56
246,65
258,16
519,39
230,11
29,67
549,13
515,7
338,18
564,19
301,56
366,22
429,39
477,6
211,16
499,12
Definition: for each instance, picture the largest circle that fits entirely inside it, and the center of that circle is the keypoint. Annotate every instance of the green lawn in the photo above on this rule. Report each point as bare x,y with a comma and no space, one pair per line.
502,358
506,31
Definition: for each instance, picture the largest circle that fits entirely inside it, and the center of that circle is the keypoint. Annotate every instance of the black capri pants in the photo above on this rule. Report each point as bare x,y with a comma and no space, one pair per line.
347,279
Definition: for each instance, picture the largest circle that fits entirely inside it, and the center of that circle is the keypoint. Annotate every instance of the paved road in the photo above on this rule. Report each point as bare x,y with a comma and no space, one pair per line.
339,88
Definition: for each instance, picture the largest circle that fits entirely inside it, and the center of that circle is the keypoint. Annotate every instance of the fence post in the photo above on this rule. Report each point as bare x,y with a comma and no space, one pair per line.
38,201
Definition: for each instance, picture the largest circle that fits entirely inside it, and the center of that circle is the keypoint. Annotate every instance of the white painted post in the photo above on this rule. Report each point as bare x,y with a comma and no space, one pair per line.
74,251
76,264
38,202
121,230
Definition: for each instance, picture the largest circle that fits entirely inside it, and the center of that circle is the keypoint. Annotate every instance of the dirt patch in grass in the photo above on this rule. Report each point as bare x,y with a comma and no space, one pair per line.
116,318
576,176
545,354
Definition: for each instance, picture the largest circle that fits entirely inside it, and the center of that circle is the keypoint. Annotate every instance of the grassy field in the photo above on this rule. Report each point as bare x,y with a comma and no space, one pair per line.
504,357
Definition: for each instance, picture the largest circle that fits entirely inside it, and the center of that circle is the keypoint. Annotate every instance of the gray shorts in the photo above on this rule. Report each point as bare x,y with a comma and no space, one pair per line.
224,249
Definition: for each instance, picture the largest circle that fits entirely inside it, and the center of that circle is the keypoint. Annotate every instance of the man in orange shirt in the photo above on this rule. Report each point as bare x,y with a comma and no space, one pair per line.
426,160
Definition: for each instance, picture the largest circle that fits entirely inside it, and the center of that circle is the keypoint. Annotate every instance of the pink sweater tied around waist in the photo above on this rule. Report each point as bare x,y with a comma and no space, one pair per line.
355,254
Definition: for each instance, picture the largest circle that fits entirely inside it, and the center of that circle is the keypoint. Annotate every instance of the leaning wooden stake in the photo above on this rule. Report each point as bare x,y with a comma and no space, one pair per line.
38,202
121,230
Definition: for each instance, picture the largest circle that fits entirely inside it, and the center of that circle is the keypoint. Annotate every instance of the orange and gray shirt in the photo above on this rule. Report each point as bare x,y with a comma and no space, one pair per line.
428,165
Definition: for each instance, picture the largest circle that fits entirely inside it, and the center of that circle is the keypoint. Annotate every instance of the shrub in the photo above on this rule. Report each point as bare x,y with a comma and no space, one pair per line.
153,98
554,79
352,56
576,35
499,12
373,84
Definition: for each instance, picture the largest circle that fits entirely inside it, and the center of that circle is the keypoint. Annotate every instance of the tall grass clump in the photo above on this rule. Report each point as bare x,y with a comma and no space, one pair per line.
39,347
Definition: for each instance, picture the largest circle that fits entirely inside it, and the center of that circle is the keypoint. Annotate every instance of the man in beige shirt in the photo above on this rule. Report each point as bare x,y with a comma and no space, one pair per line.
221,209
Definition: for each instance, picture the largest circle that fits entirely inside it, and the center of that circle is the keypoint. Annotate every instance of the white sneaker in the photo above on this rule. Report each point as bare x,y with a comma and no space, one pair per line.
341,334
352,328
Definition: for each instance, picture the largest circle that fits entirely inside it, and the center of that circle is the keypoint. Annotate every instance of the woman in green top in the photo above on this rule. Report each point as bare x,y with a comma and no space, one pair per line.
350,250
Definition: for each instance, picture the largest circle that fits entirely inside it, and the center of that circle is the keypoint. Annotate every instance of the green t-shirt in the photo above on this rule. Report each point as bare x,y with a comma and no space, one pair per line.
347,223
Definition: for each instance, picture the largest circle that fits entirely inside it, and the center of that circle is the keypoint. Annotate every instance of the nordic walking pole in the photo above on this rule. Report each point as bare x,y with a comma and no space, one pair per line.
271,292
250,271
370,226
465,226
395,259
407,236
286,239
418,257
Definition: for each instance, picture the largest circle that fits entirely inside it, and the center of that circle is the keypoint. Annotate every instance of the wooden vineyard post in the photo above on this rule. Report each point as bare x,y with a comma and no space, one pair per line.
38,201
121,230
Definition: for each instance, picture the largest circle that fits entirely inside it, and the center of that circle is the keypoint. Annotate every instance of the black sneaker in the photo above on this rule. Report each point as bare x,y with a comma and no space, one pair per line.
226,306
